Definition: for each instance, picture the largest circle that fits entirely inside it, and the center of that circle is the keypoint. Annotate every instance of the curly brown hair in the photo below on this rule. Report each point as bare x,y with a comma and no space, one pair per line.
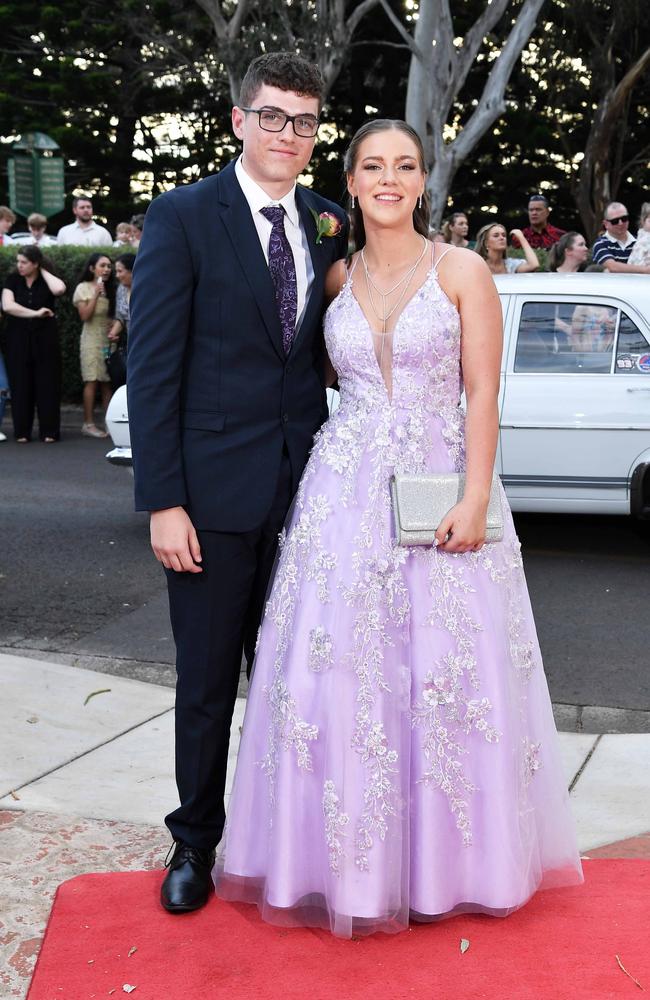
284,70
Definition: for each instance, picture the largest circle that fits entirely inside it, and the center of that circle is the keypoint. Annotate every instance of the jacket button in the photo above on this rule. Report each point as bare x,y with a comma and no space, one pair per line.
288,369
285,418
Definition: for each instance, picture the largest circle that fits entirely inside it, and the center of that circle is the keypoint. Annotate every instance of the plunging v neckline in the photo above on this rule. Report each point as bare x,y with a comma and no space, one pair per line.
431,271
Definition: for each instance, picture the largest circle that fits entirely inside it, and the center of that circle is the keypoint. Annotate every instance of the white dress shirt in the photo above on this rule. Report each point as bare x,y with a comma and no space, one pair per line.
258,199
84,236
28,240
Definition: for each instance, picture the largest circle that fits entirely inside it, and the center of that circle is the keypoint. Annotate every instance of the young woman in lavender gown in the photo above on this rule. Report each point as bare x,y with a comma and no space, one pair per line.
399,758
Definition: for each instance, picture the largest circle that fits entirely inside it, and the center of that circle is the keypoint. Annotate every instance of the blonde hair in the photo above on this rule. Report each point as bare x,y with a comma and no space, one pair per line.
645,212
37,220
482,238
446,226
6,213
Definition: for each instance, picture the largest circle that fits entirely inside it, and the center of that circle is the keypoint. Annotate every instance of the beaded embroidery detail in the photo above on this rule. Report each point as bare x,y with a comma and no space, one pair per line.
369,431
336,822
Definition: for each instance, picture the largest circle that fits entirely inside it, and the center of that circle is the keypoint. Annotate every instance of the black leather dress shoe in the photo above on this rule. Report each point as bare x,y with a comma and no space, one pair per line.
188,883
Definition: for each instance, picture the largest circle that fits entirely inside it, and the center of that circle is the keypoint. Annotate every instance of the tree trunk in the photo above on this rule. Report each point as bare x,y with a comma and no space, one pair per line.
598,181
438,185
122,165
437,74
420,80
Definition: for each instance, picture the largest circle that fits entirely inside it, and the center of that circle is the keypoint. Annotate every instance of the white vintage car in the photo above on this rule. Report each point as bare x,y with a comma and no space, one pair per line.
574,402
574,405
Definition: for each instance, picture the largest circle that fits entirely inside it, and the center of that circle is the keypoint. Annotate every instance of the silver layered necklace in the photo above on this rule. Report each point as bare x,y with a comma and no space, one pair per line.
385,314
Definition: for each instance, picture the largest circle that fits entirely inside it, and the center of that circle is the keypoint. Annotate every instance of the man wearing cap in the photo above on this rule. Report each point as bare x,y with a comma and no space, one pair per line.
614,247
540,233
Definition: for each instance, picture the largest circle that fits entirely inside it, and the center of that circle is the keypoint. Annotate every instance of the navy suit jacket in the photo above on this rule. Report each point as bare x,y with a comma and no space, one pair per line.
212,398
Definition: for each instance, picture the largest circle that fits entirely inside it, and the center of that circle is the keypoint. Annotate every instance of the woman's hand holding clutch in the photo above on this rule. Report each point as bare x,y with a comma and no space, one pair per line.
463,528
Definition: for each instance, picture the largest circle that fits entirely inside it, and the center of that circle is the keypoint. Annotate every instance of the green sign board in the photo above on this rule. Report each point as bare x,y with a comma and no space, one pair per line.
36,184
52,185
21,184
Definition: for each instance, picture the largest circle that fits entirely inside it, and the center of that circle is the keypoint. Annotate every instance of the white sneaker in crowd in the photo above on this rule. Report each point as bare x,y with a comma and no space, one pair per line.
3,437
90,430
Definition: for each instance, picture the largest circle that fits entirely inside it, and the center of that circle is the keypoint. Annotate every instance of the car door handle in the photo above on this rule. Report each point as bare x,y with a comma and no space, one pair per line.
639,389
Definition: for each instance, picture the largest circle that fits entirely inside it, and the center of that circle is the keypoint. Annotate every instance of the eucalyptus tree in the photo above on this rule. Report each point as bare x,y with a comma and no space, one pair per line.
94,78
446,47
598,72
323,30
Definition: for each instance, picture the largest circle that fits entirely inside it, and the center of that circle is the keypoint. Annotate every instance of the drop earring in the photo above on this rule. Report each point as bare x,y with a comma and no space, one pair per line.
420,202
352,202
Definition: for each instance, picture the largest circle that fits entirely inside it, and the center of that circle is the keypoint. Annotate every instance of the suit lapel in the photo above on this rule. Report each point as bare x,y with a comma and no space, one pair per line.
320,262
241,229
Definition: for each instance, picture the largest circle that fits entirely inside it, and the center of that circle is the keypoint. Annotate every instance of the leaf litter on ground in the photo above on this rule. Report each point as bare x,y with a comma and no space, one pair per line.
93,693
623,969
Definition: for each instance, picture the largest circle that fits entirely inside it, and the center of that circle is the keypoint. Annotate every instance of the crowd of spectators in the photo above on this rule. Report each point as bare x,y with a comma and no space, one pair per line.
615,250
84,231
32,370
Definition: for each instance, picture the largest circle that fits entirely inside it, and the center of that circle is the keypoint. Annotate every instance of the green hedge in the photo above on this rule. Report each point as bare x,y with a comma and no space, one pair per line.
542,257
67,263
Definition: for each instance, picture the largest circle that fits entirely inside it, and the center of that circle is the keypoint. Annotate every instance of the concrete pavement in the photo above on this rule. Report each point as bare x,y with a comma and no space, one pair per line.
86,775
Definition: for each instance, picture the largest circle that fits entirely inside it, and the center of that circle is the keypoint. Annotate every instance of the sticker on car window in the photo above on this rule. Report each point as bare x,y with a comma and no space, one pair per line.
626,361
643,362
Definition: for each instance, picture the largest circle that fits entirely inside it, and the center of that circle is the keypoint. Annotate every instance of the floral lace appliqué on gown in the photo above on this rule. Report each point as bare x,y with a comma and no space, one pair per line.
399,758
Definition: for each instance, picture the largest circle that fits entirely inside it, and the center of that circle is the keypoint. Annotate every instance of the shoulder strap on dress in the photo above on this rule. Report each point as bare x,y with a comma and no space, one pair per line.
350,270
443,254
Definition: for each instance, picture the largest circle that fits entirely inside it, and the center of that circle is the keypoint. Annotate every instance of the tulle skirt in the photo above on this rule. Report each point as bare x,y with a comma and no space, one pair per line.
399,759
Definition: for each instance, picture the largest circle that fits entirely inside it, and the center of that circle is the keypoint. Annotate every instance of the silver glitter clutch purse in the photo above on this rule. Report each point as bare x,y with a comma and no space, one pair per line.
420,502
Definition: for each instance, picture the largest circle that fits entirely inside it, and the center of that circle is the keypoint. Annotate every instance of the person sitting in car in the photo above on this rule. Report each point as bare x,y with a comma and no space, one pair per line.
592,328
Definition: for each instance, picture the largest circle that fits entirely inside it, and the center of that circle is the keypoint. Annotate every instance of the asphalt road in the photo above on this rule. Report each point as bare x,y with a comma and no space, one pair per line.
78,581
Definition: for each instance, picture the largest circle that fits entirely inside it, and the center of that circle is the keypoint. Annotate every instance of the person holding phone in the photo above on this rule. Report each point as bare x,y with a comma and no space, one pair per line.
32,346
94,298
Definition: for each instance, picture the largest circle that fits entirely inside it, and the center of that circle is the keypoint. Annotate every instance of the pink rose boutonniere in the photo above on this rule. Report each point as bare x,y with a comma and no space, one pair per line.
327,224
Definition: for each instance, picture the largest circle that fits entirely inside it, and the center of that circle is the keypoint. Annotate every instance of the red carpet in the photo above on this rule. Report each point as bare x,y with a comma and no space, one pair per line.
562,946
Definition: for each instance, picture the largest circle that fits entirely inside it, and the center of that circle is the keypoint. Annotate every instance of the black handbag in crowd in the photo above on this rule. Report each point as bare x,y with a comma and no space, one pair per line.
116,365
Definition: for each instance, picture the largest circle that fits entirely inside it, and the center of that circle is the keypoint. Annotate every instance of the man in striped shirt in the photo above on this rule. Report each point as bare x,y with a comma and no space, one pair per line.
614,247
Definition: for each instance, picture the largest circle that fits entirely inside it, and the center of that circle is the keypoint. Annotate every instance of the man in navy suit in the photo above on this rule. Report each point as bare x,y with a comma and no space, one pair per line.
226,390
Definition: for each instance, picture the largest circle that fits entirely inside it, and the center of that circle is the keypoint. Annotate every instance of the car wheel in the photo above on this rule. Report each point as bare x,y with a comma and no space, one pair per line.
642,530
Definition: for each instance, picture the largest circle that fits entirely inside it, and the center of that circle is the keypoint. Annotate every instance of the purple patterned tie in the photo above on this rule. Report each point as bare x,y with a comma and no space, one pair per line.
283,273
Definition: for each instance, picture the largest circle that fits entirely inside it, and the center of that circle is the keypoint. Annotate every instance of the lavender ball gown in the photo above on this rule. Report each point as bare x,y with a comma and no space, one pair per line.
399,758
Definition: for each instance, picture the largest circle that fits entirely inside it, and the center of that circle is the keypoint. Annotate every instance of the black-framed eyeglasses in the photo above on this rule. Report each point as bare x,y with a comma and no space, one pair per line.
305,126
619,218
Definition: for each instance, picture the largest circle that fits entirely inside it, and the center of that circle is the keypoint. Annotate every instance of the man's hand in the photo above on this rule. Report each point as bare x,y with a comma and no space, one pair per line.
174,540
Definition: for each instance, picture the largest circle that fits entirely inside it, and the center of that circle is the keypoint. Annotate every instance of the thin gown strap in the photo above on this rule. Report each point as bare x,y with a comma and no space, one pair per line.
443,254
350,270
